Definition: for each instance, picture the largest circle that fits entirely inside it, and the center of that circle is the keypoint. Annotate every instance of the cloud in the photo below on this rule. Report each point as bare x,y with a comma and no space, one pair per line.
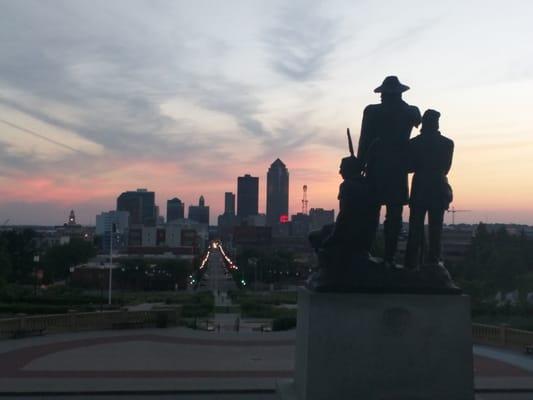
106,71
38,135
402,38
232,98
300,42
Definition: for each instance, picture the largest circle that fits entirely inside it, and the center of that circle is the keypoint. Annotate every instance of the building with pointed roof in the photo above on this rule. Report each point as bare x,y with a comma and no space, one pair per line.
277,210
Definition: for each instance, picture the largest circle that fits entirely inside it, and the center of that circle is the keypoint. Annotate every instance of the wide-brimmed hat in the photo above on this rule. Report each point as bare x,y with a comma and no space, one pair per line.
391,84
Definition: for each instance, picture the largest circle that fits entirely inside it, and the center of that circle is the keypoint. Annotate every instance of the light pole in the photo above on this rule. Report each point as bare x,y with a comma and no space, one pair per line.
253,261
113,230
35,272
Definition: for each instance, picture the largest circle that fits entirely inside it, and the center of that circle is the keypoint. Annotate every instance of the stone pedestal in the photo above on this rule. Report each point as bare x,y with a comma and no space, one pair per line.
382,347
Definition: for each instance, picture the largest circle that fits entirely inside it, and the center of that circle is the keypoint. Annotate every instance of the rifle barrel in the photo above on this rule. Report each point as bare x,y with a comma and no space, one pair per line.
350,144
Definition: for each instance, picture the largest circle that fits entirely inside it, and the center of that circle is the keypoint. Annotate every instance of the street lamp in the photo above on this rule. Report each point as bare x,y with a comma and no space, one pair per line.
253,261
35,274
113,231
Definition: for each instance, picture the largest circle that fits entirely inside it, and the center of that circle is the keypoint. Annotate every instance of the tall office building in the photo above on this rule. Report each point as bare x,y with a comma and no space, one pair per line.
229,203
141,206
175,209
247,195
277,193
199,213
112,221
228,220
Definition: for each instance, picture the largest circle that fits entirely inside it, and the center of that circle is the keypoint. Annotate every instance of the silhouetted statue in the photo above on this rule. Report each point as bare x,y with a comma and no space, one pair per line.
338,244
345,264
350,229
385,133
430,158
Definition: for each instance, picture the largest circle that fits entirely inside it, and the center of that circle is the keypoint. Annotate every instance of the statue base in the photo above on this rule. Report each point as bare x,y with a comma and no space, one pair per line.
375,347
361,273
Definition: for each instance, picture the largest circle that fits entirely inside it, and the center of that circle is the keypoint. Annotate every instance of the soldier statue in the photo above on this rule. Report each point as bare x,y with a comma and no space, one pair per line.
430,158
351,227
338,245
385,132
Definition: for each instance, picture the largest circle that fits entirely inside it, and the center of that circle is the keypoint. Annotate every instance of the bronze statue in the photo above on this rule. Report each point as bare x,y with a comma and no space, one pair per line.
378,176
351,226
383,143
337,244
430,158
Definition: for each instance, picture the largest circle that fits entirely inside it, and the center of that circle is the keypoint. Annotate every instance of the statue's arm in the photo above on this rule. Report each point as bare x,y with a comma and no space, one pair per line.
450,157
411,156
417,117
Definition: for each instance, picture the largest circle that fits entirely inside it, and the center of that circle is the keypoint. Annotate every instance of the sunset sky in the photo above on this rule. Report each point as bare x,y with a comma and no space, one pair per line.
181,97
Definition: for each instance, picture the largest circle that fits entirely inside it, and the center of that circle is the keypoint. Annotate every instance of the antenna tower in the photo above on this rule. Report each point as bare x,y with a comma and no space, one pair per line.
304,200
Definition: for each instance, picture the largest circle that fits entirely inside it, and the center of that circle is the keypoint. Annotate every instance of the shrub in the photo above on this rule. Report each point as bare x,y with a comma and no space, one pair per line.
161,319
25,308
284,323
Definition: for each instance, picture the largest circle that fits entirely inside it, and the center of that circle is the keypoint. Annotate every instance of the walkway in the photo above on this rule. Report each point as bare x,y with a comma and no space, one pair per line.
173,359
178,359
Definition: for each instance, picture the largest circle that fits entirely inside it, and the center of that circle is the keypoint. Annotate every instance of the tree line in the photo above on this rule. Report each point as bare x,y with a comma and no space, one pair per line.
19,249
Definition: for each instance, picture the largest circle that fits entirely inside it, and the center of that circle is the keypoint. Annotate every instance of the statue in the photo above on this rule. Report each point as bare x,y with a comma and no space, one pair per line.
385,132
430,158
345,264
349,239
351,227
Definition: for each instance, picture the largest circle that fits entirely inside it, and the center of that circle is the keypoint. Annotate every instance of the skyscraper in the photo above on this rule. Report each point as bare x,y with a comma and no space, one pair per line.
104,228
175,209
141,206
229,203
277,193
199,213
247,195
228,219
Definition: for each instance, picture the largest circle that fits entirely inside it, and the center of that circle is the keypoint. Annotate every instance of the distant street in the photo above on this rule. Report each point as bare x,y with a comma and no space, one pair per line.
216,278
219,281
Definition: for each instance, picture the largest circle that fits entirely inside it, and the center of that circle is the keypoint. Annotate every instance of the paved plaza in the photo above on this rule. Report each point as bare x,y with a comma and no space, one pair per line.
171,361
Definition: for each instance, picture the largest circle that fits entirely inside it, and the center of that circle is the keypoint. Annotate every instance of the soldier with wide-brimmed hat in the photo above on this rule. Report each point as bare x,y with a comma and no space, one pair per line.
385,132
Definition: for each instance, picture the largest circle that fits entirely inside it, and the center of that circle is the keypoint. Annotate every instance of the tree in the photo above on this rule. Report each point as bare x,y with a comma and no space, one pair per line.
58,260
496,261
5,265
16,255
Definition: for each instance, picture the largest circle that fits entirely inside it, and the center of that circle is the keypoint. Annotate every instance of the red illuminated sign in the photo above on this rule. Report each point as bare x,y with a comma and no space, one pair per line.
283,218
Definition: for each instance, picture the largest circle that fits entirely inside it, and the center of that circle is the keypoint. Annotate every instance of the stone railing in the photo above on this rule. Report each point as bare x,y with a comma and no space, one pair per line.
501,335
10,327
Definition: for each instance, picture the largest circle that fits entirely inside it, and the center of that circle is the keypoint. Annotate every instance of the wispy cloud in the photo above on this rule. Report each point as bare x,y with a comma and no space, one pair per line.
300,42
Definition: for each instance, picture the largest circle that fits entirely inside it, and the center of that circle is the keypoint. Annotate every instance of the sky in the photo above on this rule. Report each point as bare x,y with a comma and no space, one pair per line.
99,97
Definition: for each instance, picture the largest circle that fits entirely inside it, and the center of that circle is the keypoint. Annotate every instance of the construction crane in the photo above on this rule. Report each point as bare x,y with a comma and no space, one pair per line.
453,211
304,200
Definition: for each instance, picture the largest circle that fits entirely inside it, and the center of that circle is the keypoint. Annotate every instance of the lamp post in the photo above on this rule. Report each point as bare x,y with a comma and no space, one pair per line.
35,274
113,231
253,261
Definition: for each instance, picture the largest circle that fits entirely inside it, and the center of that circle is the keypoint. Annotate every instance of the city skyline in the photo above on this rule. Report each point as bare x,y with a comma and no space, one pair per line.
104,97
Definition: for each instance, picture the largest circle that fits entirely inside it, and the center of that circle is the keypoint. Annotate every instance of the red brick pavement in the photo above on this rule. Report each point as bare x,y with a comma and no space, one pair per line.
488,367
13,362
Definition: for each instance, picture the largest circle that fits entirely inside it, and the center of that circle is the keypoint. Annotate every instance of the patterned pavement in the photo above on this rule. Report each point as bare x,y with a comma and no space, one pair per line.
177,358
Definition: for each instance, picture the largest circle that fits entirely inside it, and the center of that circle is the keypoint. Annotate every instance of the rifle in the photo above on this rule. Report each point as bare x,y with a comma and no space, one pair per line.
350,144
